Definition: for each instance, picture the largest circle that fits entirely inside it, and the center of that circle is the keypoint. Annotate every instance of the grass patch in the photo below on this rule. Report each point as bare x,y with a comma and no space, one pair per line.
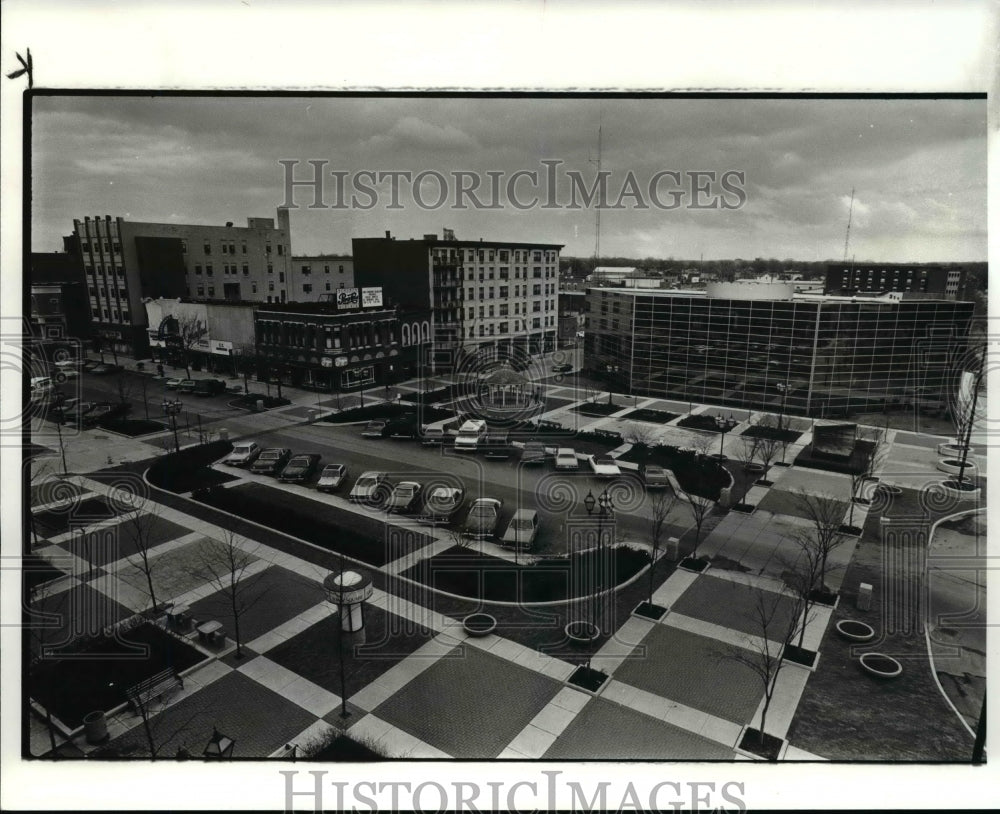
249,401
651,416
103,668
188,469
383,410
53,522
596,409
702,422
773,433
132,427
854,465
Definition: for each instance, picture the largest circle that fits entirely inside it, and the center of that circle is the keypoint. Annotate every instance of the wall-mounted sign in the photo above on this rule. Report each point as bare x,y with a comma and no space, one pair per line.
371,297
348,298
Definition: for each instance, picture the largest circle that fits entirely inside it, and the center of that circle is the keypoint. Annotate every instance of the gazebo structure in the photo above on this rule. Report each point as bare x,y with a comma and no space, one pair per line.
504,390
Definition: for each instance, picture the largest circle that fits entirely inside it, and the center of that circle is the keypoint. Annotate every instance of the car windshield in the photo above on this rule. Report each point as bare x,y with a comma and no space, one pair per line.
335,469
270,456
300,461
405,490
521,525
365,482
606,461
241,450
483,511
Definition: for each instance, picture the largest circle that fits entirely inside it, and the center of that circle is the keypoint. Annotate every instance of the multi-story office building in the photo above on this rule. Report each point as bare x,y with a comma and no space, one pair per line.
324,346
493,299
125,262
317,274
878,278
762,345
58,296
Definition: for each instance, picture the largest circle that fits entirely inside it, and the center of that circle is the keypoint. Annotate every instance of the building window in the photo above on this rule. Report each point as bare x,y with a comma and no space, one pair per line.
232,248
270,287
472,313
281,276
270,269
536,306
117,249
208,269
503,292
328,286
491,311
225,248
307,269
281,249
326,268
307,288
253,287
267,248
536,290
482,312
340,269
208,248
246,270
125,316
502,328
197,269
211,291
201,291
244,248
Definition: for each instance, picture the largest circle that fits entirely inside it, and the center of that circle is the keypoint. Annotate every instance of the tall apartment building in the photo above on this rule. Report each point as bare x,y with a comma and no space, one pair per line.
762,346
877,278
125,262
317,274
490,298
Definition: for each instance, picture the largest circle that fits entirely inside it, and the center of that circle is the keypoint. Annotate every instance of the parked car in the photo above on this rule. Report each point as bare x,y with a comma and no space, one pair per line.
655,477
522,529
443,502
565,367
74,415
470,434
371,488
41,387
186,386
431,436
88,365
173,383
300,468
533,453
604,467
106,411
405,497
496,446
332,476
105,368
66,369
271,461
483,517
402,428
209,387
244,453
376,428
566,458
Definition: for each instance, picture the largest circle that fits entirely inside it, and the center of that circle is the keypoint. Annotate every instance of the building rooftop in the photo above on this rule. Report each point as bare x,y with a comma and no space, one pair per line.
889,298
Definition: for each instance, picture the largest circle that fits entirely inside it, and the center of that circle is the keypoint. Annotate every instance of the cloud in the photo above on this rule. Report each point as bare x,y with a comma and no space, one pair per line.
410,132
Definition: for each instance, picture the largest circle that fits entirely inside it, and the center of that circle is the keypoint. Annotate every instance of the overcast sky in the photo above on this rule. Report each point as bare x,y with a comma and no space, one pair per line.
918,167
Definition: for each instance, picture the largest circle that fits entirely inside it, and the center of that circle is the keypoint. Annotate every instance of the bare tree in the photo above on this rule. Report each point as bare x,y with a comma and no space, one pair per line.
802,576
700,507
697,503
825,515
775,625
223,564
246,352
660,510
190,331
138,526
641,437
867,471
748,451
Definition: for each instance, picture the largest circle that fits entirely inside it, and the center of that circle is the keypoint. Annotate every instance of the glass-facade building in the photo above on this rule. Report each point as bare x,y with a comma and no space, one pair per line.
757,345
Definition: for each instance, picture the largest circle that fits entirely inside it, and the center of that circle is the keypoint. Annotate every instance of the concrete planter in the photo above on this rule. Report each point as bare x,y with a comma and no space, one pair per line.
581,633
95,727
952,466
949,487
880,665
949,450
479,624
855,631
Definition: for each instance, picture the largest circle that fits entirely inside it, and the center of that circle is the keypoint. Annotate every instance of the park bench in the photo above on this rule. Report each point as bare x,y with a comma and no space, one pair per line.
156,686
611,435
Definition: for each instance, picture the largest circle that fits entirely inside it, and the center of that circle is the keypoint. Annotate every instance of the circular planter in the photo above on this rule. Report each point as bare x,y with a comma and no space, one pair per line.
880,665
953,465
951,450
888,489
95,727
855,631
479,624
581,633
965,490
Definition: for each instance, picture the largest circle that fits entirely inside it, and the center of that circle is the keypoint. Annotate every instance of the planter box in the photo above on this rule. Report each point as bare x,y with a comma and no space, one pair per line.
779,745
695,566
950,450
588,679
949,488
801,657
649,611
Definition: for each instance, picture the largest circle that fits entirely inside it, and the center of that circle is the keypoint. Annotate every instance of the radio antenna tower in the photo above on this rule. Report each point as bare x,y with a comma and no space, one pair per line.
850,212
597,246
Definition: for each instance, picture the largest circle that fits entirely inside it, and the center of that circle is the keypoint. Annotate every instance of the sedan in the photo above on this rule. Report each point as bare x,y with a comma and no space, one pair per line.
404,497
88,365
566,458
332,476
370,488
534,453
172,383
300,468
484,516
243,454
106,411
187,386
271,461
104,369
655,477
402,428
443,502
604,467
74,415
565,367
375,429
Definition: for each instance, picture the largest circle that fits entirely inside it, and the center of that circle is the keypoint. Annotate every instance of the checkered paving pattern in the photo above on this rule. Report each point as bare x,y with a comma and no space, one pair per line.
112,543
604,729
469,704
175,572
79,611
690,669
271,598
260,721
730,604
781,501
315,652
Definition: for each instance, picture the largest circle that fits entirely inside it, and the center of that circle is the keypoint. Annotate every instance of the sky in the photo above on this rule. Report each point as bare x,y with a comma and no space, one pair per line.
779,172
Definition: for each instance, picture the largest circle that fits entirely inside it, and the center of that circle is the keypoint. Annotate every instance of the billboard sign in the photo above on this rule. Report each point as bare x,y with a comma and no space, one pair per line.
348,298
371,297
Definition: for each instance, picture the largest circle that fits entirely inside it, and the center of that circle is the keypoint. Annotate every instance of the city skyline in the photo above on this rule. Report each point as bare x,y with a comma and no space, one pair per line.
917,167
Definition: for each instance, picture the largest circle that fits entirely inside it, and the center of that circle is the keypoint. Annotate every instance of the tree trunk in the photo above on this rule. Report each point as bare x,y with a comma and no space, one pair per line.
149,582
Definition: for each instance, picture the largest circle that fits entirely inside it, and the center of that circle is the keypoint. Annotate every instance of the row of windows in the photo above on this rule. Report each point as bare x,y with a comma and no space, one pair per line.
309,335
113,314
504,328
504,273
228,247
503,292
100,267
326,269
502,309
109,246
489,255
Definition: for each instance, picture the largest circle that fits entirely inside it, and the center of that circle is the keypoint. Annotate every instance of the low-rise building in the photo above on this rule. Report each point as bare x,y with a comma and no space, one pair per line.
317,274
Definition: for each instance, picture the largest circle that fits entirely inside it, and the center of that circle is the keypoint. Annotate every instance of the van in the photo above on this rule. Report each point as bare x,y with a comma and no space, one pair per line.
522,530
469,435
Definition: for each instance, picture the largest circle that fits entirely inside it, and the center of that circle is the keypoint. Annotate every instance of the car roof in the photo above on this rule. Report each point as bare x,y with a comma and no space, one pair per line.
409,484
522,514
450,491
373,473
566,451
334,466
485,501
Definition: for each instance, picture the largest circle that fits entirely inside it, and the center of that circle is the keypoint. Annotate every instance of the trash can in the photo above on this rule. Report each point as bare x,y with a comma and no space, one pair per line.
95,726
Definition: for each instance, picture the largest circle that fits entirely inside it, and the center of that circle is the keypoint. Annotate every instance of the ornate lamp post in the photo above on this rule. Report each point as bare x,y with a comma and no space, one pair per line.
219,747
612,374
605,510
59,414
724,425
172,408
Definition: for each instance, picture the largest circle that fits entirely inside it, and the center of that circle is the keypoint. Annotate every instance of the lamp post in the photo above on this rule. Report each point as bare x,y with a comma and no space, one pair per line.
172,408
612,374
219,746
60,414
605,510
724,425
783,389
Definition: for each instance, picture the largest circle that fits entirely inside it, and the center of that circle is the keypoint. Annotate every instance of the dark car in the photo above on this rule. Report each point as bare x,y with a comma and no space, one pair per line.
300,468
209,387
483,517
271,461
405,497
496,446
565,367
402,428
74,415
104,369
105,411
375,429
186,386
88,365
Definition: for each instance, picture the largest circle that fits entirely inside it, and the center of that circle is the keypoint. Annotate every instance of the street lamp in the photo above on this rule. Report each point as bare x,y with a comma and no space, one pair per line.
605,510
219,747
724,425
783,389
612,374
171,408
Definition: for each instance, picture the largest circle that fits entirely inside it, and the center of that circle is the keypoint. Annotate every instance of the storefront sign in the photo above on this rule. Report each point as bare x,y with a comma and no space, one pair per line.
371,297
348,298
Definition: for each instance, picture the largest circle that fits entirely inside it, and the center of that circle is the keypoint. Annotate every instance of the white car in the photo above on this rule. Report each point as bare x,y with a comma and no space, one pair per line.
522,530
371,488
331,477
604,467
244,453
443,502
566,458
